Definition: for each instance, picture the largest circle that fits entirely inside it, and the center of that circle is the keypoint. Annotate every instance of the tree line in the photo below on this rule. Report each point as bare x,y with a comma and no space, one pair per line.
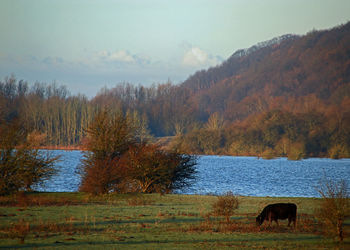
48,109
286,126
276,133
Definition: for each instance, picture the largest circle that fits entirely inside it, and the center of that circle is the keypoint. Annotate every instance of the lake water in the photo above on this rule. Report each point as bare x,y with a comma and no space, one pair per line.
247,176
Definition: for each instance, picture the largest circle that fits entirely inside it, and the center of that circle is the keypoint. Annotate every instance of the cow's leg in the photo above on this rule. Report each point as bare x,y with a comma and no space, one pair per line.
295,221
270,219
292,219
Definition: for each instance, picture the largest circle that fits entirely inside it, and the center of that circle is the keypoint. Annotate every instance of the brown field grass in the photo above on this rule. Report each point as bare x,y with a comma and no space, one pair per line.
152,221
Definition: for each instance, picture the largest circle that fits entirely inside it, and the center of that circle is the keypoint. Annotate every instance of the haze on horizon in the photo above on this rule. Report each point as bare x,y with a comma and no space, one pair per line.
88,44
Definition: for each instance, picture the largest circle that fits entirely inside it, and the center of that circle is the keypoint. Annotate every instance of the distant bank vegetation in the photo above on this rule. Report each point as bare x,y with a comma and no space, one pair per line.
296,128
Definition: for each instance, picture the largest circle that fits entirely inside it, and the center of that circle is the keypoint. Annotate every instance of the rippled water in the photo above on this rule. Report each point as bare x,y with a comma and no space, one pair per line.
241,175
67,180
258,177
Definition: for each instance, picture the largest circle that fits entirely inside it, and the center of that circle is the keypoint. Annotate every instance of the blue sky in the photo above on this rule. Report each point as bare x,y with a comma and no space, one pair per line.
89,44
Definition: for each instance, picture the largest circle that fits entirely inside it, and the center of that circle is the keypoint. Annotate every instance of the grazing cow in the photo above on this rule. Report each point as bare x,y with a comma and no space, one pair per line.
278,211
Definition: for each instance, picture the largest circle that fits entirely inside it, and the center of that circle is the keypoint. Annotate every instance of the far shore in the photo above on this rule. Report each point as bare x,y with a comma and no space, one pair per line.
65,148
81,148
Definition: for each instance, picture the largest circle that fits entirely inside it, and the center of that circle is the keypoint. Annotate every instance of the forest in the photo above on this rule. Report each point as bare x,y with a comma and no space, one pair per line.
289,96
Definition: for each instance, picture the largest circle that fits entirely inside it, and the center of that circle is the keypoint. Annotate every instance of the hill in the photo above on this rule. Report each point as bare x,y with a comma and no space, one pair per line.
289,96
316,64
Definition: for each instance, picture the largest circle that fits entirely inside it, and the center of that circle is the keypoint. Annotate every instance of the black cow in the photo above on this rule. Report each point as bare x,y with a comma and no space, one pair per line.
278,211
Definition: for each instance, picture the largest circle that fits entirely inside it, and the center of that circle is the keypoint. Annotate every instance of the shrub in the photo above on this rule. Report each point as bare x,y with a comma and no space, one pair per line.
108,137
156,170
101,177
21,164
115,162
226,205
334,208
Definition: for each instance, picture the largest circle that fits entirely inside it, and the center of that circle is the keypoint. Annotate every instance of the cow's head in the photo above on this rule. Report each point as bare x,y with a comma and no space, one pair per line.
259,220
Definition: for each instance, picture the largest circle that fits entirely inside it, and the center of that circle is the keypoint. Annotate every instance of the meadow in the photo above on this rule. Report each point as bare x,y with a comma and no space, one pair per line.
152,221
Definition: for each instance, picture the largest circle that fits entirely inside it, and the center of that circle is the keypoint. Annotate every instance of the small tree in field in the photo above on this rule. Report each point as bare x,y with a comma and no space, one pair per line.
226,205
116,162
108,138
22,165
334,208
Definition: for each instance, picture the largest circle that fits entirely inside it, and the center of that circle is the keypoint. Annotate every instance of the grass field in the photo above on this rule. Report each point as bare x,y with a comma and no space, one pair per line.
151,221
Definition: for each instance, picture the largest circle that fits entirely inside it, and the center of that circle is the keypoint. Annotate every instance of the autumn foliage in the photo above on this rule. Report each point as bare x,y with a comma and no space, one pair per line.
277,133
117,162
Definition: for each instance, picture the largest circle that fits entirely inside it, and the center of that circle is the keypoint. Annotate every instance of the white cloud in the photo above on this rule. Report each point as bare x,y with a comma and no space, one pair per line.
117,56
197,57
121,56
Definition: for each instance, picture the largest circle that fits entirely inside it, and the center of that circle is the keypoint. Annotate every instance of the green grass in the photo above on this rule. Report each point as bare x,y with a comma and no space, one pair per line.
151,221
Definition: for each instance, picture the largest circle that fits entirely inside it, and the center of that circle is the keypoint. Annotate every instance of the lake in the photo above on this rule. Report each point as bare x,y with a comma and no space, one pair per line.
247,176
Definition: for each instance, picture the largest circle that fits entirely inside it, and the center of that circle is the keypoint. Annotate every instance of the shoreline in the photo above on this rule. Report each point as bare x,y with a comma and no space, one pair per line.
80,148
65,148
171,194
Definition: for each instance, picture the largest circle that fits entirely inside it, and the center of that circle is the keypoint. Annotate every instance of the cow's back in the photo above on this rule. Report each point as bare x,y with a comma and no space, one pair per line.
283,210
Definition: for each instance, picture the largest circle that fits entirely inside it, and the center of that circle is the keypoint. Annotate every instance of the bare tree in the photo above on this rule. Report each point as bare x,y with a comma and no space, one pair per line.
334,207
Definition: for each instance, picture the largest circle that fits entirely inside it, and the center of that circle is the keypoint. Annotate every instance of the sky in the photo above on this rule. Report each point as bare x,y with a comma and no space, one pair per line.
90,44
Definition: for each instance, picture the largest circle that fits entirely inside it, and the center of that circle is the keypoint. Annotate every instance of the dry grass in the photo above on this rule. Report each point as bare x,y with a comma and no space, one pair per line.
246,224
18,230
136,221
23,199
21,229
140,201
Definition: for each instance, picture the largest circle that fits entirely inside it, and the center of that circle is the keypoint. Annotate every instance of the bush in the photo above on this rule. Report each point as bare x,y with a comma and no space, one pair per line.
21,165
334,208
115,162
226,205
101,177
108,137
156,170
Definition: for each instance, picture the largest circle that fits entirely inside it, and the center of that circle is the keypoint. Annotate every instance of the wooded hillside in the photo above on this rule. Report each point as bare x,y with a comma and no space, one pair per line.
287,96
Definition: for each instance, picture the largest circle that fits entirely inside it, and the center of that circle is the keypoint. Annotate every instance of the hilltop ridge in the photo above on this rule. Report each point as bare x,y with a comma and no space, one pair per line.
290,66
